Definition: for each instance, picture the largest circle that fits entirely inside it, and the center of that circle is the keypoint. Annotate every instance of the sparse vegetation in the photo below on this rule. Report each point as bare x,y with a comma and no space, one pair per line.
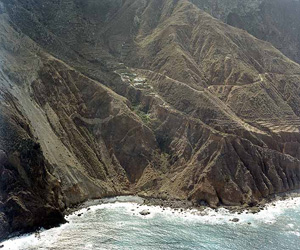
145,117
194,83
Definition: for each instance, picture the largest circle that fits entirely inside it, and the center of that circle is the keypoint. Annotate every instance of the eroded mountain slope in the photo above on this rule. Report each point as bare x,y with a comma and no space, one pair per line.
150,97
275,21
80,131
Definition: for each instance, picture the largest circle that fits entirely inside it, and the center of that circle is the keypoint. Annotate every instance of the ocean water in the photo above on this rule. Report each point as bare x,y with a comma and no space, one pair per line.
118,225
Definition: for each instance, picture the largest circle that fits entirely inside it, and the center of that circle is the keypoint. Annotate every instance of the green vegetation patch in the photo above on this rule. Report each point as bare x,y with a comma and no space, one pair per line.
145,117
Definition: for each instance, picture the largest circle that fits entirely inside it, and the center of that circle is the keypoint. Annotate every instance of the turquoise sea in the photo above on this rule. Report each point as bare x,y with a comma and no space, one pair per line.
118,225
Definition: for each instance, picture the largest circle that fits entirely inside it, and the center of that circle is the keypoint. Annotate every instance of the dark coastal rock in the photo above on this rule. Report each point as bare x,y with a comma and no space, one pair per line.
29,194
4,226
235,220
145,212
153,97
255,210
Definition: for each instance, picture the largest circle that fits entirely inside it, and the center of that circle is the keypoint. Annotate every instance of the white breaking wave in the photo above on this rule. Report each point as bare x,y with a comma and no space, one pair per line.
46,238
208,216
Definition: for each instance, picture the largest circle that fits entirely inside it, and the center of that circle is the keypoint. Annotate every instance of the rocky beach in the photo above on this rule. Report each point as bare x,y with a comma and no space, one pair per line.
114,222
190,104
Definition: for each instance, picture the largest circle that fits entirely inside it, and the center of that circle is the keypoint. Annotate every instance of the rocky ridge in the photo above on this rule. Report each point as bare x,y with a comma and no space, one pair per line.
155,98
275,21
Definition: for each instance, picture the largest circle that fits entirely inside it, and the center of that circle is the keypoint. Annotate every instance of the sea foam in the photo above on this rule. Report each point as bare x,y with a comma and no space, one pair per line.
208,216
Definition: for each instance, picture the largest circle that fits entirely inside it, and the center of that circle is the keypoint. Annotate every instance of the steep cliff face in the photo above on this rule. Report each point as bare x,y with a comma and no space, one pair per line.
65,138
275,21
30,195
150,97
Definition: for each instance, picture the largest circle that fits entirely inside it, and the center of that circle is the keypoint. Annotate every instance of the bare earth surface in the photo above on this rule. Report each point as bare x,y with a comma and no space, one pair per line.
148,97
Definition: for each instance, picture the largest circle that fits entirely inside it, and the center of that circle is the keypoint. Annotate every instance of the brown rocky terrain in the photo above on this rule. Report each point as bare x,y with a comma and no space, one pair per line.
149,97
275,21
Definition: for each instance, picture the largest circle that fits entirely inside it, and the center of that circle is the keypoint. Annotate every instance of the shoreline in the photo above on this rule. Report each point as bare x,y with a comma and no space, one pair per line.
129,208
181,206
184,205
254,209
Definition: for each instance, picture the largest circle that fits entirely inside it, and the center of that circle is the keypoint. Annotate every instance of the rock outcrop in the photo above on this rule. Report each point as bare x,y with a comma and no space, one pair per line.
156,97
30,194
275,21
145,212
